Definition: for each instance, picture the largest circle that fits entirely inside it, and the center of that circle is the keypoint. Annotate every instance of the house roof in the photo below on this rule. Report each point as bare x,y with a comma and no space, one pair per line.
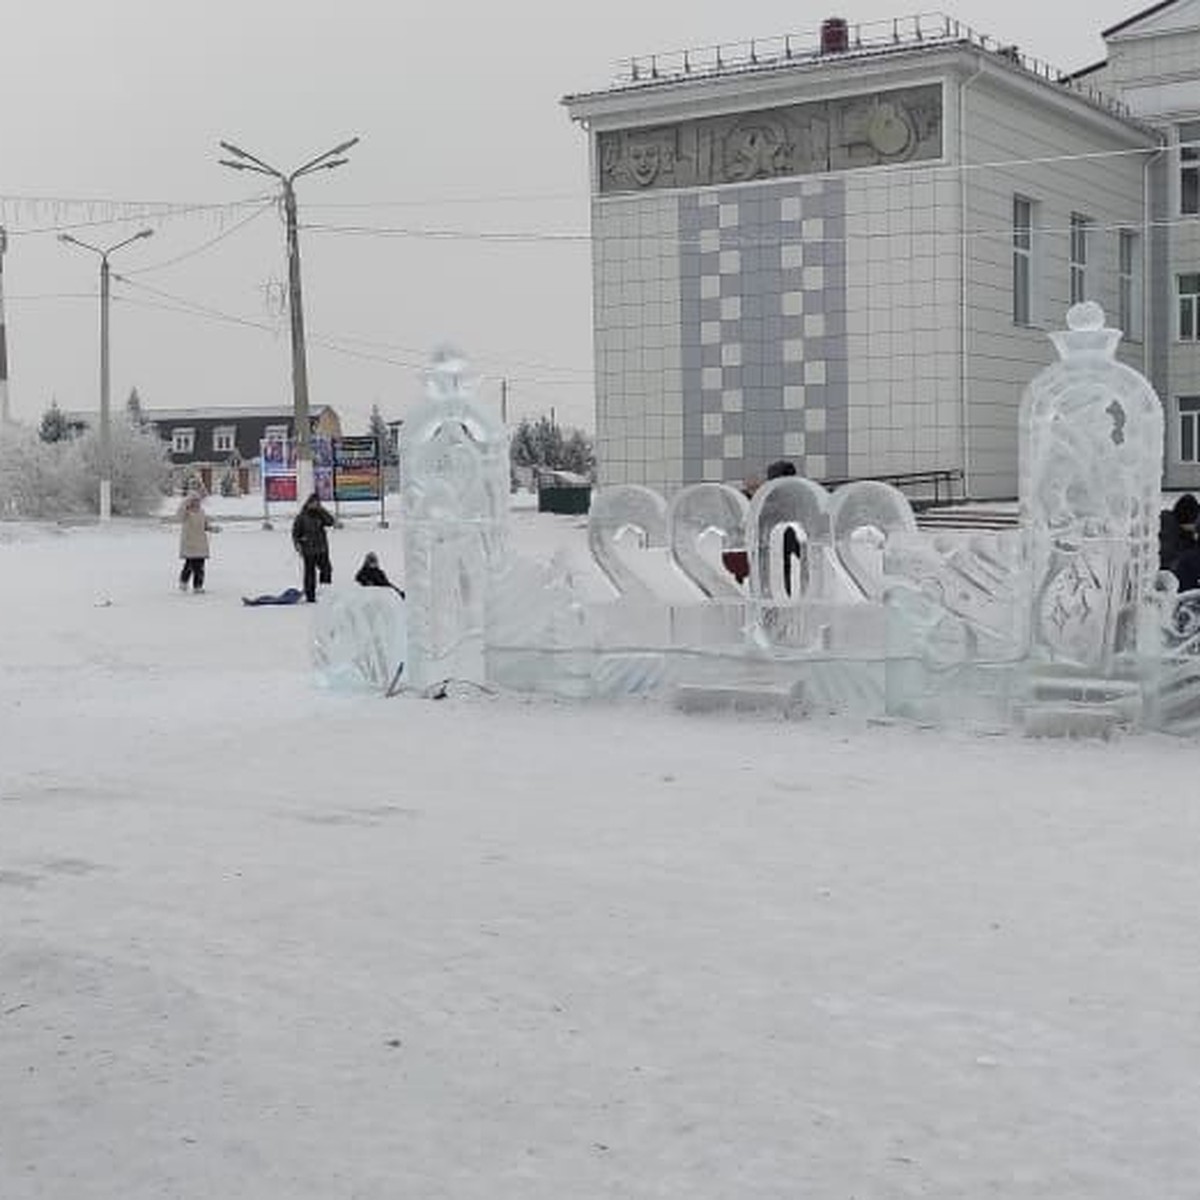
1084,72
1120,26
166,416
280,413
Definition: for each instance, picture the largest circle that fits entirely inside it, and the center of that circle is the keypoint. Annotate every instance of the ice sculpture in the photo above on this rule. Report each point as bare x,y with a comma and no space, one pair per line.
706,521
359,639
838,601
624,513
1091,442
455,476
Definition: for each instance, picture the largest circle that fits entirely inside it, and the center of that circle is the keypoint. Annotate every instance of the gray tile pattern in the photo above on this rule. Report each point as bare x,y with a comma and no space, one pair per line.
763,343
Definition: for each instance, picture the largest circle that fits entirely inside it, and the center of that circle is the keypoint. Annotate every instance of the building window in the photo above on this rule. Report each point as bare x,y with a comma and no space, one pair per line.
224,439
1022,280
1189,429
183,441
1189,169
1079,257
276,433
1189,308
1129,283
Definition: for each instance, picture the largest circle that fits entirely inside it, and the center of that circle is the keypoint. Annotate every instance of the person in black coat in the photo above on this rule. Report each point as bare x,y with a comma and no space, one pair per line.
783,469
1178,544
312,544
371,574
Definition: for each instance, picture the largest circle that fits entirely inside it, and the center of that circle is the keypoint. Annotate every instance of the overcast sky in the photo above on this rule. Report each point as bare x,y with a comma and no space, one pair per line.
457,106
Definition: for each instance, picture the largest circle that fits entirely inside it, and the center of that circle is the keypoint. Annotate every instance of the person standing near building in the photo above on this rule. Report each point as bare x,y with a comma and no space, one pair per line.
193,543
312,544
783,469
1179,542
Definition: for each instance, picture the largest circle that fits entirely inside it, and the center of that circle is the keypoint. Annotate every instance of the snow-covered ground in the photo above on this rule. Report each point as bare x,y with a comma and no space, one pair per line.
261,941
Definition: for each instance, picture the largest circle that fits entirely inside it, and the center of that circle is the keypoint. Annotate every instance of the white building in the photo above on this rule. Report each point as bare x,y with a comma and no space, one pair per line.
846,251
1153,66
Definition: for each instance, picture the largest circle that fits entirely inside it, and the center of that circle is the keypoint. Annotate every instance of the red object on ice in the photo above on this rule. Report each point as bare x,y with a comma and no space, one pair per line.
737,563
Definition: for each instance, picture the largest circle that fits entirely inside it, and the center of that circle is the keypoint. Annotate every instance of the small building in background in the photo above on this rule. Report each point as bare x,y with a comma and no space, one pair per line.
210,442
222,447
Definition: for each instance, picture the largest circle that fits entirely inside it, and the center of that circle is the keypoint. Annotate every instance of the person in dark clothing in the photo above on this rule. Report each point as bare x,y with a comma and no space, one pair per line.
1187,570
1177,530
371,574
782,469
1178,543
312,544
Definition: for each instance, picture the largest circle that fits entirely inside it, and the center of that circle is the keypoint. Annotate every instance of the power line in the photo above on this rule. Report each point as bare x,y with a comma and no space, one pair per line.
730,238
169,302
51,296
446,201
135,209
475,358
474,235
200,249
129,213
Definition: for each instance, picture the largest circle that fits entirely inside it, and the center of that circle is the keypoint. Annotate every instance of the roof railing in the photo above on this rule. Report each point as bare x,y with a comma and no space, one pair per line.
921,29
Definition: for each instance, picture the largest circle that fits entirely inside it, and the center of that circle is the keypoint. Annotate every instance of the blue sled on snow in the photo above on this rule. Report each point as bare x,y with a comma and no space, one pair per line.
287,596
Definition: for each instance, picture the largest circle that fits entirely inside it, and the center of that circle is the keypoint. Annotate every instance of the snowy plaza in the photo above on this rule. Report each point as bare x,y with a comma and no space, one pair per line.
760,760
262,939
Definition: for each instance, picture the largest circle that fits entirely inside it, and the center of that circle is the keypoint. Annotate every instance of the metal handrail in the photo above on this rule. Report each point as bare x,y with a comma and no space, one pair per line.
924,29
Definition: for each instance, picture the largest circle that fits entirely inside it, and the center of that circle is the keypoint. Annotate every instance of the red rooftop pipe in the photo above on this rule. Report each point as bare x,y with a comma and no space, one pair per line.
835,36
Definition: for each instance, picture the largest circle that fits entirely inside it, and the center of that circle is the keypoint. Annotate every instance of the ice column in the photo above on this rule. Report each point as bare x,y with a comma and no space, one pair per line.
455,479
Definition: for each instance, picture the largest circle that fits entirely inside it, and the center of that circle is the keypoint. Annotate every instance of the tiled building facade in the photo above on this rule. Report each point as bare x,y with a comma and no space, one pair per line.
820,255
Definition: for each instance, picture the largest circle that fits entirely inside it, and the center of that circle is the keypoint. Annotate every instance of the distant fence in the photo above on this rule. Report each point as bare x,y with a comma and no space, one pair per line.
946,486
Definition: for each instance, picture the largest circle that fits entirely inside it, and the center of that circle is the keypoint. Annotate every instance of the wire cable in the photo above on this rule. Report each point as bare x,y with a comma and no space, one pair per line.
132,213
730,238
204,246
169,302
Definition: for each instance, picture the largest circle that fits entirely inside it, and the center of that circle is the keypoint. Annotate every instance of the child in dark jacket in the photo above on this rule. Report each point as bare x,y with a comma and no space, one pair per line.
371,574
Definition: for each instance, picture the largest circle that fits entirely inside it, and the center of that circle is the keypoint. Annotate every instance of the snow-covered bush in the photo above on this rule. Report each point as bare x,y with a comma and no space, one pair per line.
37,478
59,479
140,469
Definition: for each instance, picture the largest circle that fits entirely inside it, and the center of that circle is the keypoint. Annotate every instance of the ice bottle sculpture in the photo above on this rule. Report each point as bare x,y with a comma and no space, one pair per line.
454,468
1091,449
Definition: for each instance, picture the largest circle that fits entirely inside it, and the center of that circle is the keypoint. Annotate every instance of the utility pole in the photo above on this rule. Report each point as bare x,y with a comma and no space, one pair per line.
304,461
105,418
244,161
504,402
5,412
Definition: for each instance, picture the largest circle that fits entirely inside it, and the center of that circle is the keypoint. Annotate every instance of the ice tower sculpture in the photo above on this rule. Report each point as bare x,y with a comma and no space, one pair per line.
1091,445
455,474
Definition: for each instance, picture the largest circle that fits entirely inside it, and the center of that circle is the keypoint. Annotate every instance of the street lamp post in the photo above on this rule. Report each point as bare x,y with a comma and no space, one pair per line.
244,161
105,418
5,414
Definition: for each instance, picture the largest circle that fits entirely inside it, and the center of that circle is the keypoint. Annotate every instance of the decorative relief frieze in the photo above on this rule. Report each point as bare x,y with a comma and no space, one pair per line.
901,125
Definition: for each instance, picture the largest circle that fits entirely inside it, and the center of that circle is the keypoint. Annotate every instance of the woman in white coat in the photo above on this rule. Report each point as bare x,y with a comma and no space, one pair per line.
193,543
